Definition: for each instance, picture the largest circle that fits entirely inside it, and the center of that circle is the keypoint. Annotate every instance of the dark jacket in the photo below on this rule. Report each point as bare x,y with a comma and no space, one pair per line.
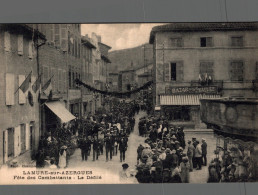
204,148
122,144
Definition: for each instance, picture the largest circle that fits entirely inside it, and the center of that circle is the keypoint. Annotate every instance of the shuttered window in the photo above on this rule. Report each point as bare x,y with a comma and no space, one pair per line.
20,44
60,83
237,41
7,42
10,89
173,71
237,71
176,42
206,42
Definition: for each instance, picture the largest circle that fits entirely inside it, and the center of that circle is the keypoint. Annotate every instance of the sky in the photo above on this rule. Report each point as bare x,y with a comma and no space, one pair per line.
120,36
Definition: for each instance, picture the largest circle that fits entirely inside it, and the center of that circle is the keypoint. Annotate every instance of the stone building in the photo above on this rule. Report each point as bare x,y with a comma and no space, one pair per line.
60,60
202,60
19,116
87,74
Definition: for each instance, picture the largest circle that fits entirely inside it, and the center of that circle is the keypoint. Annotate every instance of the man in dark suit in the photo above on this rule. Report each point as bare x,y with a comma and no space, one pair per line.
122,148
109,146
204,152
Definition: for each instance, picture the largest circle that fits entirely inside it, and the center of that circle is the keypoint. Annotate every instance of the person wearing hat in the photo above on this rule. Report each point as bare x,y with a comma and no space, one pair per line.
124,174
198,155
204,152
190,154
109,146
122,149
62,157
185,169
96,148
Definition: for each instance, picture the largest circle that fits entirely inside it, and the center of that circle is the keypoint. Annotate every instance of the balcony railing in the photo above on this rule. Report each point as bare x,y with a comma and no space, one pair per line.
217,83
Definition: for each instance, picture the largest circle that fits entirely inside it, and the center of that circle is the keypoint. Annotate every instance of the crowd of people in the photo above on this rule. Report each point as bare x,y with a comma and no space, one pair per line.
101,133
162,158
236,164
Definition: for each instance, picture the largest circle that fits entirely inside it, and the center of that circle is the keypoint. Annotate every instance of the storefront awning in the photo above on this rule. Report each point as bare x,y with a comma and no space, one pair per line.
191,100
60,111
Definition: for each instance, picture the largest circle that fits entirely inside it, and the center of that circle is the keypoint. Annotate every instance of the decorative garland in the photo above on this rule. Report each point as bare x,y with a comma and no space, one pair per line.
117,94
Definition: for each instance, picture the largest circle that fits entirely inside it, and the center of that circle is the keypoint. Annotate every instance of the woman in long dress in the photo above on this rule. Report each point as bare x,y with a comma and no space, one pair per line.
62,157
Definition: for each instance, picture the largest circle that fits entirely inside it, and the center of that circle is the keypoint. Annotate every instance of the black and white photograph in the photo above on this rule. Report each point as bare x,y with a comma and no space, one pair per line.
128,103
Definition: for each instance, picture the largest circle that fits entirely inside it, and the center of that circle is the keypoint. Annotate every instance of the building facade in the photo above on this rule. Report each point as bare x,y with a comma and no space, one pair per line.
87,75
202,60
19,116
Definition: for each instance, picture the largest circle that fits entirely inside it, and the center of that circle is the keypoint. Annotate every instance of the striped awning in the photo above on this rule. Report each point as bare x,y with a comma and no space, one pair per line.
190,100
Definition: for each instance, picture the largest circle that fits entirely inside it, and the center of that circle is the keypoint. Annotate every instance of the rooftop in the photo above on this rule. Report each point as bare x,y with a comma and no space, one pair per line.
202,26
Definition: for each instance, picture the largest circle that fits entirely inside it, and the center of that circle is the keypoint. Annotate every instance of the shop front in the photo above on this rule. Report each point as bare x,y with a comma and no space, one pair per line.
181,105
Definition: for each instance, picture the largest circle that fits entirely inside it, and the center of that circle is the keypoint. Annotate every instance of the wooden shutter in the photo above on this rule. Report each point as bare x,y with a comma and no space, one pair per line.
7,42
5,139
167,72
10,89
208,41
64,37
27,133
23,137
179,71
20,44
30,49
22,96
64,80
17,141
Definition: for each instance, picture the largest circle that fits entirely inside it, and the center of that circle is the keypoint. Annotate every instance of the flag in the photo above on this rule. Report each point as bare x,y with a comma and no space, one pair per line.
47,88
26,83
36,84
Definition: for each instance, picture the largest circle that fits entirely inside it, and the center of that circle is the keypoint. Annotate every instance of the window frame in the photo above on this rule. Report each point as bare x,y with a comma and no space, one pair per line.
177,45
236,36
211,42
231,69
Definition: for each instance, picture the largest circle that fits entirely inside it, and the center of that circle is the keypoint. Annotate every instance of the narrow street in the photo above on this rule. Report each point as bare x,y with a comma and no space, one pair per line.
114,166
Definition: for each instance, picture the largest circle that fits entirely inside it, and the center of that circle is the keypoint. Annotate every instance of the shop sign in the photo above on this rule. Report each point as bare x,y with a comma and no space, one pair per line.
192,90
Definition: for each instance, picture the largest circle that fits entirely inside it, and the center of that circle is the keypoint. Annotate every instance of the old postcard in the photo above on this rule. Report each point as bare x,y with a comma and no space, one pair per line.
128,103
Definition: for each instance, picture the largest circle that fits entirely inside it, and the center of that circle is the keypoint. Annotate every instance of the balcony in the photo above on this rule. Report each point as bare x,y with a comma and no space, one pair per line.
216,83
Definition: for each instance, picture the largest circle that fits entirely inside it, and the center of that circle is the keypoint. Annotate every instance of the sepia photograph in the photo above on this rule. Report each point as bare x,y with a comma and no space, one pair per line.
128,103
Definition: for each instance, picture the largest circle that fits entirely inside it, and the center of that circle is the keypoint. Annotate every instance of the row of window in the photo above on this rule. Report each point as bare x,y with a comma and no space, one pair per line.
58,80
236,41
174,71
12,83
20,46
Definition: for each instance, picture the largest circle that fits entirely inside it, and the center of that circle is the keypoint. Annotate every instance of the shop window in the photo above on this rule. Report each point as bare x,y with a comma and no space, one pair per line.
176,42
178,113
237,71
206,42
237,41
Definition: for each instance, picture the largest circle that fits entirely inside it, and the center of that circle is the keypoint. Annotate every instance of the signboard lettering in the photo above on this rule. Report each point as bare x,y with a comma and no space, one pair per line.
192,90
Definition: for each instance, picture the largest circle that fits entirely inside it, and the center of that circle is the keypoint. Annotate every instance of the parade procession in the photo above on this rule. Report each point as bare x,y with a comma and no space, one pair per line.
177,105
